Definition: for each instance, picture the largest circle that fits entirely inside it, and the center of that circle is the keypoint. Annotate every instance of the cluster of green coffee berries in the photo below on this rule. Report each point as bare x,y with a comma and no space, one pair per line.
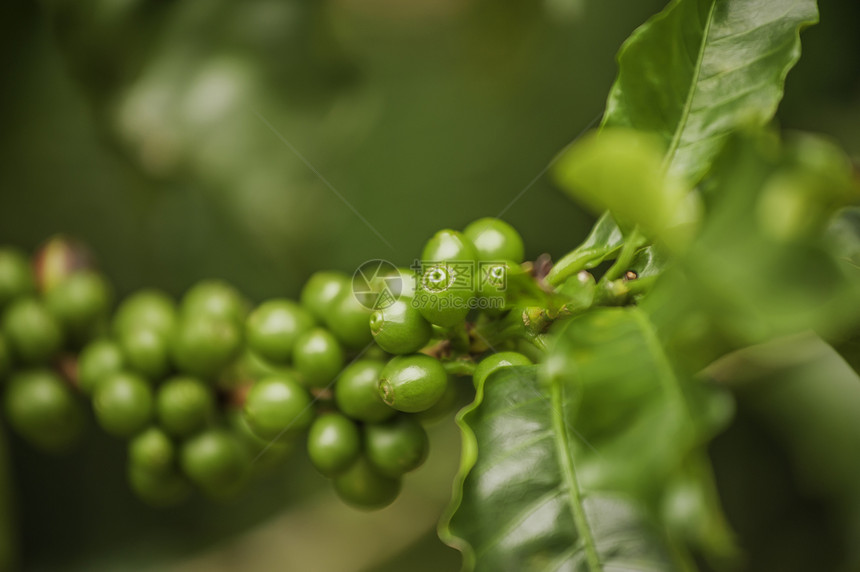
209,389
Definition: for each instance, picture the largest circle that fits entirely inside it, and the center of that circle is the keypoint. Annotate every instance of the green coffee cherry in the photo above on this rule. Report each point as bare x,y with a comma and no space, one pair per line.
356,392
32,331
362,487
412,383
252,366
408,281
449,246
204,345
334,443
446,405
184,405
16,276
272,329
80,302
276,406
495,362
146,351
317,357
494,239
97,360
152,450
122,403
159,489
149,309
215,299
445,294
347,320
320,292
400,328
400,283
216,461
396,446
447,286
265,453
493,285
42,408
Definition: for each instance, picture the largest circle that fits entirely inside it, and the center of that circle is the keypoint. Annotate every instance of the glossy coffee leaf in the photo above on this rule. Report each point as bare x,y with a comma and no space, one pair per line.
621,170
701,68
517,503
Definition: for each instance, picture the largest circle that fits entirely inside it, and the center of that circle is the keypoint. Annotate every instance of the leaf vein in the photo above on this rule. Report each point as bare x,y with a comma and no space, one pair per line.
517,519
688,103
722,73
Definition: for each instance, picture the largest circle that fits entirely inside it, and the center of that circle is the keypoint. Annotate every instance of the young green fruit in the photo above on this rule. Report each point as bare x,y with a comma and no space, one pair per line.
320,292
184,405
347,320
96,360
216,461
203,344
250,365
157,488
412,383
122,402
272,329
495,362
334,443
449,246
408,282
392,284
356,392
32,331
362,487
152,450
446,294
149,309
317,357
276,406
446,405
16,276
80,302
493,285
265,453
43,410
146,351
495,240
400,328
396,446
215,299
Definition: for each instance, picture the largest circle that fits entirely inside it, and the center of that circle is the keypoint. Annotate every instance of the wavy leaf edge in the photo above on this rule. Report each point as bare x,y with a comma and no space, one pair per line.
640,36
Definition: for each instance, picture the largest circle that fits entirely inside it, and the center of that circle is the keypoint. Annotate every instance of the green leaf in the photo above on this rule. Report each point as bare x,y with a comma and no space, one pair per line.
639,424
649,262
621,170
701,68
516,504
615,422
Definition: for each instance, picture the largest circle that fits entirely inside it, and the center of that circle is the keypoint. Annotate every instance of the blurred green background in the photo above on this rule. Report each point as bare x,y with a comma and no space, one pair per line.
262,140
